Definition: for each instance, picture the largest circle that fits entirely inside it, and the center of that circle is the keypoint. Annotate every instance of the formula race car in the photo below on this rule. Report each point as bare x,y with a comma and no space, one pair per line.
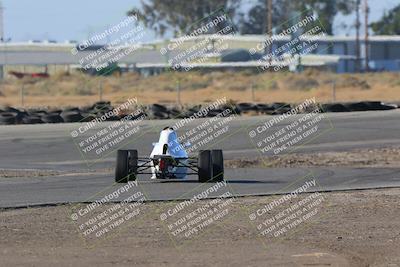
169,160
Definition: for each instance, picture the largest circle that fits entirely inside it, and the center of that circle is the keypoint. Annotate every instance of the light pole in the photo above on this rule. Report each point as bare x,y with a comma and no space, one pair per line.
1,23
358,67
1,38
269,33
366,10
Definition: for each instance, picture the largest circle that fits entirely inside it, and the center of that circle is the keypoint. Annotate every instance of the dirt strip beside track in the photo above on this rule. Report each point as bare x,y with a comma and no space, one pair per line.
354,229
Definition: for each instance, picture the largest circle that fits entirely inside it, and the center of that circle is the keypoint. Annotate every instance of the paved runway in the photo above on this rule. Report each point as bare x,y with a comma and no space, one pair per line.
78,178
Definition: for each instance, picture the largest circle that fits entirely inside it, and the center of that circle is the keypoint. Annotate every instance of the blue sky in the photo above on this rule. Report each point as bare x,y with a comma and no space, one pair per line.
77,19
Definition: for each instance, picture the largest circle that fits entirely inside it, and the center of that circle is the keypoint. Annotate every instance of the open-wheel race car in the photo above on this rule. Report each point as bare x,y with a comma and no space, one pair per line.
169,160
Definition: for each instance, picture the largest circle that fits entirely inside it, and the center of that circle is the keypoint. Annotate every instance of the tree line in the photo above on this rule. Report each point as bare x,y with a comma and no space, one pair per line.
181,16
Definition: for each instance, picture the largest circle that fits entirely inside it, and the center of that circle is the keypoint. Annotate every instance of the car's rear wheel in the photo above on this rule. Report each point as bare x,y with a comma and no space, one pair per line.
133,164
126,169
217,159
205,166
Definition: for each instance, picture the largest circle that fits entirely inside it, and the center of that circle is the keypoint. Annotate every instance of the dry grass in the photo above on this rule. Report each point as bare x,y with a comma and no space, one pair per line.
79,89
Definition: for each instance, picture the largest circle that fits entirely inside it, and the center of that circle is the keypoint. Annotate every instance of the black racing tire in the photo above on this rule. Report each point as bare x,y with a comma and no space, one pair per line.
126,168
38,113
71,116
71,109
334,107
32,120
52,118
214,112
279,105
133,164
357,106
175,113
377,105
87,109
7,118
102,103
55,111
218,165
113,118
20,116
11,109
122,168
102,109
264,107
205,166
160,115
280,108
159,108
188,114
243,107
87,117
194,109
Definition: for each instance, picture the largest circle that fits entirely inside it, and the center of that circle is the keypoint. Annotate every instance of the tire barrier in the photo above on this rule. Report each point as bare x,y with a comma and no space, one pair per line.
356,106
376,105
10,109
32,120
334,107
265,108
11,115
280,108
20,115
71,116
55,111
52,118
72,109
102,103
158,115
244,107
159,108
214,112
7,118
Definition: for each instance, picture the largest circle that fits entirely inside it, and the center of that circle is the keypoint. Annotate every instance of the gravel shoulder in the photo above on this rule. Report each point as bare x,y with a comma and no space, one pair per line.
378,157
359,228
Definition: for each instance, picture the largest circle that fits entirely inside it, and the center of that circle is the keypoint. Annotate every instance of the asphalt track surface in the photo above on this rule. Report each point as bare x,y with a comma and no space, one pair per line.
74,178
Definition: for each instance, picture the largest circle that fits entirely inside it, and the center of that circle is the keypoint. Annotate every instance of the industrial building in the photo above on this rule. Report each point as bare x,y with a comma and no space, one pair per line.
335,53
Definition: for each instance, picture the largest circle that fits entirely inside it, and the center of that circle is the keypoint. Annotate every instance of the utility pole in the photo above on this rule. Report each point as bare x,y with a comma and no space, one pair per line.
23,95
358,67
366,10
269,8
253,97
1,23
178,93
2,37
100,91
269,28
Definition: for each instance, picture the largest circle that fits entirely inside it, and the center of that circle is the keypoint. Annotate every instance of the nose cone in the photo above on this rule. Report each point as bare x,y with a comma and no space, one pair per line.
168,136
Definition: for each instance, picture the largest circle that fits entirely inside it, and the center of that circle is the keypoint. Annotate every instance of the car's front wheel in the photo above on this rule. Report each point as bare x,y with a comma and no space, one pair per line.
126,169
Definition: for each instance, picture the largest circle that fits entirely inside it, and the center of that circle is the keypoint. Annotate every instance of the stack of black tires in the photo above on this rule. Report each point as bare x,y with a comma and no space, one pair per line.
260,108
161,112
356,106
10,115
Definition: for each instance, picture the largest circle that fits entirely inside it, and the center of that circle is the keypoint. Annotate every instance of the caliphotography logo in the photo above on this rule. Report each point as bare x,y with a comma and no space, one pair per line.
199,133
